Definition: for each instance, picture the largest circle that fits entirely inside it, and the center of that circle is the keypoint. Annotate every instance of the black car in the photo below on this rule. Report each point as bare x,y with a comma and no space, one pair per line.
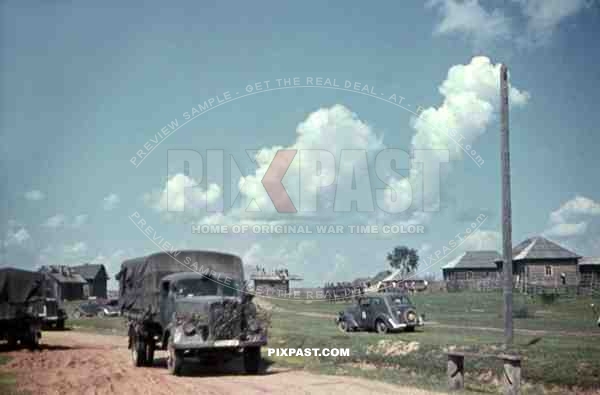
381,313
95,309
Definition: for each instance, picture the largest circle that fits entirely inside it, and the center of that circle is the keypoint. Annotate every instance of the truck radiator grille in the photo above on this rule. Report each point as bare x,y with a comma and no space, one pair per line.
225,320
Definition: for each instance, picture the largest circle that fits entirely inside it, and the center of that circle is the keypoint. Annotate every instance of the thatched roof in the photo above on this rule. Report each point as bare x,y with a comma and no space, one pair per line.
474,260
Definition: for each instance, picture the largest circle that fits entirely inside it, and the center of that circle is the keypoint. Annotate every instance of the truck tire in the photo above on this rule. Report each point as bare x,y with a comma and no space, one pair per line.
31,341
252,359
138,352
150,347
60,325
12,341
174,361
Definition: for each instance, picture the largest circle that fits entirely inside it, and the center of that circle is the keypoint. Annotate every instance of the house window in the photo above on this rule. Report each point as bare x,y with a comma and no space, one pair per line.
469,275
548,271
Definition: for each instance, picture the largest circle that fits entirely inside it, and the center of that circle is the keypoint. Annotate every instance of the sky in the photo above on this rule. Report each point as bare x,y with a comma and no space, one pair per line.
86,87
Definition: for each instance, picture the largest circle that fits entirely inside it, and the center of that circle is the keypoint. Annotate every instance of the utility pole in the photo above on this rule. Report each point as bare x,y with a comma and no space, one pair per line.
506,210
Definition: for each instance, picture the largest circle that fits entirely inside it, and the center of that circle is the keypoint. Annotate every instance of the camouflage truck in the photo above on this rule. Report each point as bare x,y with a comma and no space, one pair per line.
21,307
192,304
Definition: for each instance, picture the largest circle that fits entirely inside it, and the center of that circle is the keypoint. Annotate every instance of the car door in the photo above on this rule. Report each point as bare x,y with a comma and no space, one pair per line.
365,315
378,308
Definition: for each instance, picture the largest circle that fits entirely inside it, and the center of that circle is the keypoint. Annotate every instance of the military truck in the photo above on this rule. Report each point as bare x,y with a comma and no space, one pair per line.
192,304
21,307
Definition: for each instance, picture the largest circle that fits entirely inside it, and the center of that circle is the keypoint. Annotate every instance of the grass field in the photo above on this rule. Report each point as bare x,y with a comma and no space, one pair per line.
564,358
555,363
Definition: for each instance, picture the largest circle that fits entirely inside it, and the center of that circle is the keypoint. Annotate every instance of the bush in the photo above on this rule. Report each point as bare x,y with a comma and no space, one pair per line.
522,311
548,298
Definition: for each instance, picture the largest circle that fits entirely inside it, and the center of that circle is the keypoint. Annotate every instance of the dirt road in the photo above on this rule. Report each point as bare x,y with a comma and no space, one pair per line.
85,363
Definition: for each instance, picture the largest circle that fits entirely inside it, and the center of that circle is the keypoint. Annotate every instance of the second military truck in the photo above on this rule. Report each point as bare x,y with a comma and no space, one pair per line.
192,304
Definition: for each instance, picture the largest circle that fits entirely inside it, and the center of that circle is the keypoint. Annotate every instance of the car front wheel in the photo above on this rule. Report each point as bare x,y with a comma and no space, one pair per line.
381,327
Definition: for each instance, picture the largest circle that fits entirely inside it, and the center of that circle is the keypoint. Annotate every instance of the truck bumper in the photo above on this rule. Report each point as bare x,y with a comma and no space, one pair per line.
195,342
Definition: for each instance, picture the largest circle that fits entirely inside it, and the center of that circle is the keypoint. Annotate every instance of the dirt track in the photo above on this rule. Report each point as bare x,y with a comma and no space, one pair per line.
84,363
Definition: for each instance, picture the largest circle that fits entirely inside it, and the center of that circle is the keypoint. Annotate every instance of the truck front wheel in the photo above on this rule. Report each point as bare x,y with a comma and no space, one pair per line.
150,347
252,359
174,361
138,352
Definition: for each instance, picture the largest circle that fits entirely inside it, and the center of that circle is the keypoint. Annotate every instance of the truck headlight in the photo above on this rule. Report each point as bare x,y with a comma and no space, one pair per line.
178,334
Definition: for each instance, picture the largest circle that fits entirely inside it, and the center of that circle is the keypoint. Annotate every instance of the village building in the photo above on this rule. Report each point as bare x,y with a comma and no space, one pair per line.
540,264
275,283
396,282
472,265
64,283
589,273
96,279
472,270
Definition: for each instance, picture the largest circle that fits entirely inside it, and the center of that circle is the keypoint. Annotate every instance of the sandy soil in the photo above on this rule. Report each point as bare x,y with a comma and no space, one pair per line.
84,363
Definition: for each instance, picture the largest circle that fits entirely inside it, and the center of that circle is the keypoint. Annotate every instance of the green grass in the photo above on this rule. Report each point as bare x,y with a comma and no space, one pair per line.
8,381
481,309
555,360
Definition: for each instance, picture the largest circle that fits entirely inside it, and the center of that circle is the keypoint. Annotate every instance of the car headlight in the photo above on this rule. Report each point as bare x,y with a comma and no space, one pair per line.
411,317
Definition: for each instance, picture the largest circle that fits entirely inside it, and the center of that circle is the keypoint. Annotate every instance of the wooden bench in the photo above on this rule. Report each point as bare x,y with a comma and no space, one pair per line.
511,379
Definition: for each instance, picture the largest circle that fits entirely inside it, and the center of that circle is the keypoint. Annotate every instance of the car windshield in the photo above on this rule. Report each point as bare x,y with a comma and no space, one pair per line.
205,287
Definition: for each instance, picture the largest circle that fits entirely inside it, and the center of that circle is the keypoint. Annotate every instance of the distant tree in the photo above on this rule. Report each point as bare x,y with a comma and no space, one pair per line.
404,258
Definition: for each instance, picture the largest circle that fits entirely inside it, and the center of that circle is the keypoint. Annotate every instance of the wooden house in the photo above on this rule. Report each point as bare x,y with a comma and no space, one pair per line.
96,278
539,263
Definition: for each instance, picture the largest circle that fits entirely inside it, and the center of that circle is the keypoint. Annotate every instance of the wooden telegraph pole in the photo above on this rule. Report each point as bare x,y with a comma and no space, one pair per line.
506,211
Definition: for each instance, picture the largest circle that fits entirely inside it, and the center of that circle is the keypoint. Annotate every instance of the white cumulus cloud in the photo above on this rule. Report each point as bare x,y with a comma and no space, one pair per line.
181,193
572,218
472,20
111,202
55,221
544,16
34,195
16,236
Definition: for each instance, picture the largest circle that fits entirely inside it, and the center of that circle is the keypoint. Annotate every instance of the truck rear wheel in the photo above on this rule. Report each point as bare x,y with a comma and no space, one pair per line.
138,352
174,361
252,359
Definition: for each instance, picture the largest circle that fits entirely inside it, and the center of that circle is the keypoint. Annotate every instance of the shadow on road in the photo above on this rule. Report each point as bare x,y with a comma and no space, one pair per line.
214,368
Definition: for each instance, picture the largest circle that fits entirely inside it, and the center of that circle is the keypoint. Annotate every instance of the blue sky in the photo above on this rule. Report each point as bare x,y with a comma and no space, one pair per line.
85,86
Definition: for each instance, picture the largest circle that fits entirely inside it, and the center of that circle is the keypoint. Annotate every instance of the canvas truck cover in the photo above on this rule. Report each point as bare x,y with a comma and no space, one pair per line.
139,278
18,288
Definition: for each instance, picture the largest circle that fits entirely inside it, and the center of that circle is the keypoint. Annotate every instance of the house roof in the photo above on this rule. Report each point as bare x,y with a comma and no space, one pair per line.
589,260
63,274
541,248
474,260
89,271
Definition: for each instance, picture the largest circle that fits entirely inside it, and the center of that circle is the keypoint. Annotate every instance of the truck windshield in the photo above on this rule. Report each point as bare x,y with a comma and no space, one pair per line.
205,287
196,287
